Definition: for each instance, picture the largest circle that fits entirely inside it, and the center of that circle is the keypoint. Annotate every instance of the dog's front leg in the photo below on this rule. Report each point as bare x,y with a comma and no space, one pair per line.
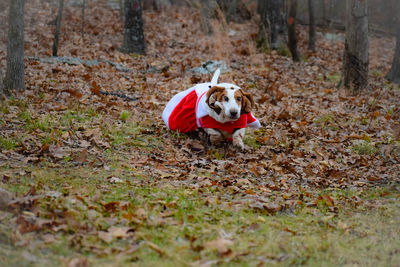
215,136
237,138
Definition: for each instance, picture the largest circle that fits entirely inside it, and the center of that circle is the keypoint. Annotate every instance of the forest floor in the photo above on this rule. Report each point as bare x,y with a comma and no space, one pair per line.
88,179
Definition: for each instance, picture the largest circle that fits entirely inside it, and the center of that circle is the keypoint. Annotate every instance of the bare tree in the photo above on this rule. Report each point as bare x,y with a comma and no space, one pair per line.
58,27
121,9
1,84
152,4
206,12
394,73
15,47
292,37
83,18
355,61
311,30
234,10
273,26
133,29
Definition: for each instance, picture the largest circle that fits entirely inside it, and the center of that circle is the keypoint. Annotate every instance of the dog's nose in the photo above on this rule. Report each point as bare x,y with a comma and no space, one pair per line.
233,113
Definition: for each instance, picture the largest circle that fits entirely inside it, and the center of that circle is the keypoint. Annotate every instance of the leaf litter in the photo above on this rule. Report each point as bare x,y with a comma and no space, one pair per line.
315,138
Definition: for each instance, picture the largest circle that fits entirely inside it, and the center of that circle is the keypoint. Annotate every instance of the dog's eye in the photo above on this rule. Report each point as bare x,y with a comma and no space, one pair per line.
226,99
238,98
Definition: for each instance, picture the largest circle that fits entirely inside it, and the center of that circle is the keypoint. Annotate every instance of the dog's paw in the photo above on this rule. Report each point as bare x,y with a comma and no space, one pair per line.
216,139
238,142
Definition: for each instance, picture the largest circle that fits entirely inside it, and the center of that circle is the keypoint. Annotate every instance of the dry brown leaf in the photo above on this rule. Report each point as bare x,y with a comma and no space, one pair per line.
58,152
78,262
105,236
221,245
119,232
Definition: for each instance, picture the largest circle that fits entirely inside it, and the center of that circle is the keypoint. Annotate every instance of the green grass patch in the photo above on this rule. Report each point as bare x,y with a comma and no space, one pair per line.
391,86
283,50
325,119
7,143
44,124
251,141
72,117
364,147
21,103
131,133
25,116
124,116
377,74
334,78
4,108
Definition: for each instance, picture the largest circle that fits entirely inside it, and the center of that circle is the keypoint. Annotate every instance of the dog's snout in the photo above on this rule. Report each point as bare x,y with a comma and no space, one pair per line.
233,113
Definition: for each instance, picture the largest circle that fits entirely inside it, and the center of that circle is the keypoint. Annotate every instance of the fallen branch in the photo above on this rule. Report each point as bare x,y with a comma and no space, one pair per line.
78,61
125,97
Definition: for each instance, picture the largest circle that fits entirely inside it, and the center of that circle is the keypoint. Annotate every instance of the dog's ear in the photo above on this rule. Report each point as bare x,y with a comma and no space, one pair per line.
212,97
247,102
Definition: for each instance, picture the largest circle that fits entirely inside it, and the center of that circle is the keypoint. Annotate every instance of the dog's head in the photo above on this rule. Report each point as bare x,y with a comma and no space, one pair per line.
227,102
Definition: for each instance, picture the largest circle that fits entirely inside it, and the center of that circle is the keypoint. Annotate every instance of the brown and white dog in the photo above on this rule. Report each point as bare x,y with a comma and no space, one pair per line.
223,110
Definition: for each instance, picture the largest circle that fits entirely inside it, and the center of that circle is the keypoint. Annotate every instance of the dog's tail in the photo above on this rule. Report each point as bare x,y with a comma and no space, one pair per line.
215,77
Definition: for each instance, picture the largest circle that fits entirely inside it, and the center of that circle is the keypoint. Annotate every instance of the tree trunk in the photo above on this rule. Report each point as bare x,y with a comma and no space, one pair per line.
133,30
15,47
83,19
58,27
394,73
292,42
273,27
264,30
1,85
206,12
155,5
234,10
355,61
311,30
231,10
121,9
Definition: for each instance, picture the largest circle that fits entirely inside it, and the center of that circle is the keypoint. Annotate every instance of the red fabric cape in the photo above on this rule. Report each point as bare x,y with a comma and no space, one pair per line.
183,117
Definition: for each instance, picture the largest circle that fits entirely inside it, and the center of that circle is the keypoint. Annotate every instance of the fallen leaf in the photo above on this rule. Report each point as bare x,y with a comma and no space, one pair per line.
105,236
78,262
81,157
115,180
48,238
221,245
5,199
119,232
58,152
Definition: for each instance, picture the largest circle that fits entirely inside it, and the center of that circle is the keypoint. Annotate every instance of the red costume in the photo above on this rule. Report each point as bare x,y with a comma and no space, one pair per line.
187,111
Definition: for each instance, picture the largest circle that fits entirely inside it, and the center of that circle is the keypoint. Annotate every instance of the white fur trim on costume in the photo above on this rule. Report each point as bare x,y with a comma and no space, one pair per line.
255,124
173,103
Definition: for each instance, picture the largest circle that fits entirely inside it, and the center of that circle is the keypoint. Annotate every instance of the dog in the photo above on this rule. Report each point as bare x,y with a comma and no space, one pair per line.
222,110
